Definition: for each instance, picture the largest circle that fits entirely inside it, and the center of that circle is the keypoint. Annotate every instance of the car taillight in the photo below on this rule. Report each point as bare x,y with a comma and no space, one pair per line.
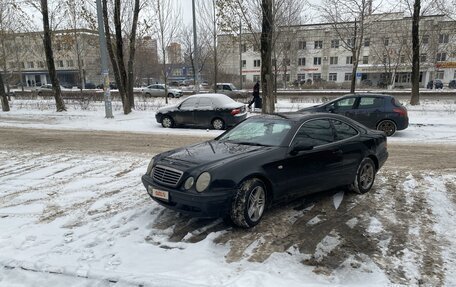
235,111
401,111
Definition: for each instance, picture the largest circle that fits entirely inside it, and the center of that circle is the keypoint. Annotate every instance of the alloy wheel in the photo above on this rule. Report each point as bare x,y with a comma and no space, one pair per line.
217,124
256,203
366,176
388,127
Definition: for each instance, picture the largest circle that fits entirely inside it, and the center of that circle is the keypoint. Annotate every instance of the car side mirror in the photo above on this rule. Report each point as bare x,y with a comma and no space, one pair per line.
330,109
300,146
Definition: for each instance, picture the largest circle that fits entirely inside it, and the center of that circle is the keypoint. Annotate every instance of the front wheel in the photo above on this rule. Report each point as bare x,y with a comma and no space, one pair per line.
167,122
249,203
218,124
365,176
170,95
388,127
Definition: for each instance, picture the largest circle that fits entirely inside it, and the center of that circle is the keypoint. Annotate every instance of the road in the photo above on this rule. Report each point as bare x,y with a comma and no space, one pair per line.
414,156
392,226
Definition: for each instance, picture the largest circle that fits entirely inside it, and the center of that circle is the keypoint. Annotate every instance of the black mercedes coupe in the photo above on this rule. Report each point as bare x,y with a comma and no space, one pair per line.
264,160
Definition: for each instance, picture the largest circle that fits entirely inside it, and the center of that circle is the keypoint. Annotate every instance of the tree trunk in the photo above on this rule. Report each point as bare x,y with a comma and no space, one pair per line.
125,104
119,52
415,100
3,96
131,59
266,53
60,105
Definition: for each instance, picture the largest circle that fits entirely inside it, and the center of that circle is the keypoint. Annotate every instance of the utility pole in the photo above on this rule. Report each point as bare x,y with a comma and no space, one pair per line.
104,62
195,50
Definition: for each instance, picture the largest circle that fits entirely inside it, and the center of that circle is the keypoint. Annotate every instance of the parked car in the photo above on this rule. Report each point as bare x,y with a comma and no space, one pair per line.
438,84
376,111
87,86
112,86
452,84
216,111
230,90
158,90
43,89
66,85
264,160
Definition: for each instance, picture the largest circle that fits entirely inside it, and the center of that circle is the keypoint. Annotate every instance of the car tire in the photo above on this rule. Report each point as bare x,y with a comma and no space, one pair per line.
365,176
170,95
148,95
167,122
218,124
388,127
249,203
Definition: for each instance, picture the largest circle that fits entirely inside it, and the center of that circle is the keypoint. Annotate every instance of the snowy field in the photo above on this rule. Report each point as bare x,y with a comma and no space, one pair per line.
78,219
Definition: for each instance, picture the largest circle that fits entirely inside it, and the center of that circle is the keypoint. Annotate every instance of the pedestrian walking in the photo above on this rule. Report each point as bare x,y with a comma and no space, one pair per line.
255,94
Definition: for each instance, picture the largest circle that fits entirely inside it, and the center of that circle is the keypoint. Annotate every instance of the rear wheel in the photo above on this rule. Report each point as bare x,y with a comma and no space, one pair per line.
167,122
218,124
249,203
388,127
170,95
148,95
365,176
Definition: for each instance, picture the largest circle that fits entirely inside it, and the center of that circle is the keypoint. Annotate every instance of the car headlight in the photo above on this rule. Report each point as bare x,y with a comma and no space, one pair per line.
189,183
203,181
149,168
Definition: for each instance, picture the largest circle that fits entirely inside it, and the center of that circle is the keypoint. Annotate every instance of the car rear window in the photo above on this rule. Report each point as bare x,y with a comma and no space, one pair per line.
370,102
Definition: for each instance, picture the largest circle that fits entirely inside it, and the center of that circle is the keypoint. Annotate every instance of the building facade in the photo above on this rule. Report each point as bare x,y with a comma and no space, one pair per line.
322,52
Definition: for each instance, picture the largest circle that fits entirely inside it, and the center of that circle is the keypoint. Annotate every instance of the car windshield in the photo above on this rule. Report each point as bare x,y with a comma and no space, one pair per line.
260,131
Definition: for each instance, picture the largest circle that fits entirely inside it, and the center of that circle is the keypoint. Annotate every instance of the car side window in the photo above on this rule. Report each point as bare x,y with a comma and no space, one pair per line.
205,104
189,104
344,104
226,88
161,87
315,133
343,130
370,102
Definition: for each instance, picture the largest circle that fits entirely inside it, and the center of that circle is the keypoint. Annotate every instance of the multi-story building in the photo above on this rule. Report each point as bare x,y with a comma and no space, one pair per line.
174,53
76,55
316,52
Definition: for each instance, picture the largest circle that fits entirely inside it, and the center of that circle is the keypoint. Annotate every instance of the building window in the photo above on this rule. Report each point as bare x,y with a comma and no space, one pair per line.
365,59
441,57
334,43
439,75
244,48
301,77
301,61
30,65
332,77
349,60
316,76
425,39
256,63
386,41
423,58
317,61
403,59
443,38
60,64
333,60
256,78
70,63
244,63
22,64
301,45
318,44
347,77
367,42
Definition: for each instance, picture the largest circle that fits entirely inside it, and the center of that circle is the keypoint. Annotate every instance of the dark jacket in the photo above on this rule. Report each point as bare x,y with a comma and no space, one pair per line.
256,90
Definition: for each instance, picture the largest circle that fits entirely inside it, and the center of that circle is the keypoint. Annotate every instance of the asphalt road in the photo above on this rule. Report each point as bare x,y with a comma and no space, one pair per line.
408,156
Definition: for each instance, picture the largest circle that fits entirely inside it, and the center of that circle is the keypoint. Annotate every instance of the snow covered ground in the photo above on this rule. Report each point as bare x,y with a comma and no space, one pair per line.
85,219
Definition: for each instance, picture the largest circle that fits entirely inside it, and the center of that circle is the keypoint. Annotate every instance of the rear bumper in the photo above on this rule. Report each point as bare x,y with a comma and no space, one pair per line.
382,157
402,123
234,120
203,205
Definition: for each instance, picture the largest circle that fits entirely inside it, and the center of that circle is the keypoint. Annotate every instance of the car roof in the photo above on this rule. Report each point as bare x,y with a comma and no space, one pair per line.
367,94
302,116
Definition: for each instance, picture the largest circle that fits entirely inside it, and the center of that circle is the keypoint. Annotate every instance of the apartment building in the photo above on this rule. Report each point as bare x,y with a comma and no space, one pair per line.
320,52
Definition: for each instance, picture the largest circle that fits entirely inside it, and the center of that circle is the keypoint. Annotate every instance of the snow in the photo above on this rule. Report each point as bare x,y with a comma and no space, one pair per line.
67,219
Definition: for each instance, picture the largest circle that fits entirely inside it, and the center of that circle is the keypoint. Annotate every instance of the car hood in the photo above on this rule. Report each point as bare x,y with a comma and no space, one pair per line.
317,108
168,108
207,154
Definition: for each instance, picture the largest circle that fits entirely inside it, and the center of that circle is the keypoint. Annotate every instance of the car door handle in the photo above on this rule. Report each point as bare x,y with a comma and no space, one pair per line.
338,152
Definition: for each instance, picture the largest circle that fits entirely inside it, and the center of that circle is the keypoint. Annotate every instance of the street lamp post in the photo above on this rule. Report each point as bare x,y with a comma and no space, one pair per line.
104,62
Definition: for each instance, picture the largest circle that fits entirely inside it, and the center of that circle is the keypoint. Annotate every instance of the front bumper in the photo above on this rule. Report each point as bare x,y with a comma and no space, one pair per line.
204,205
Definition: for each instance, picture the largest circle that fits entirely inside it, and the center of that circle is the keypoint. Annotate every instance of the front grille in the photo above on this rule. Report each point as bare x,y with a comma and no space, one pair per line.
166,175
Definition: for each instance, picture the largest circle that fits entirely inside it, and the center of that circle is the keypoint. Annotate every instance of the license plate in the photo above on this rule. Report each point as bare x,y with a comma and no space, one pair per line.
159,193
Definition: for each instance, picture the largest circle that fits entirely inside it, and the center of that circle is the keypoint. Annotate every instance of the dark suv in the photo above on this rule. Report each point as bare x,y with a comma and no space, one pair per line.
376,111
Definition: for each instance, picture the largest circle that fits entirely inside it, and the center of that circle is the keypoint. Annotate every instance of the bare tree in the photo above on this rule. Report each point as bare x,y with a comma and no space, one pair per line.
266,57
348,19
168,24
47,42
3,96
415,100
